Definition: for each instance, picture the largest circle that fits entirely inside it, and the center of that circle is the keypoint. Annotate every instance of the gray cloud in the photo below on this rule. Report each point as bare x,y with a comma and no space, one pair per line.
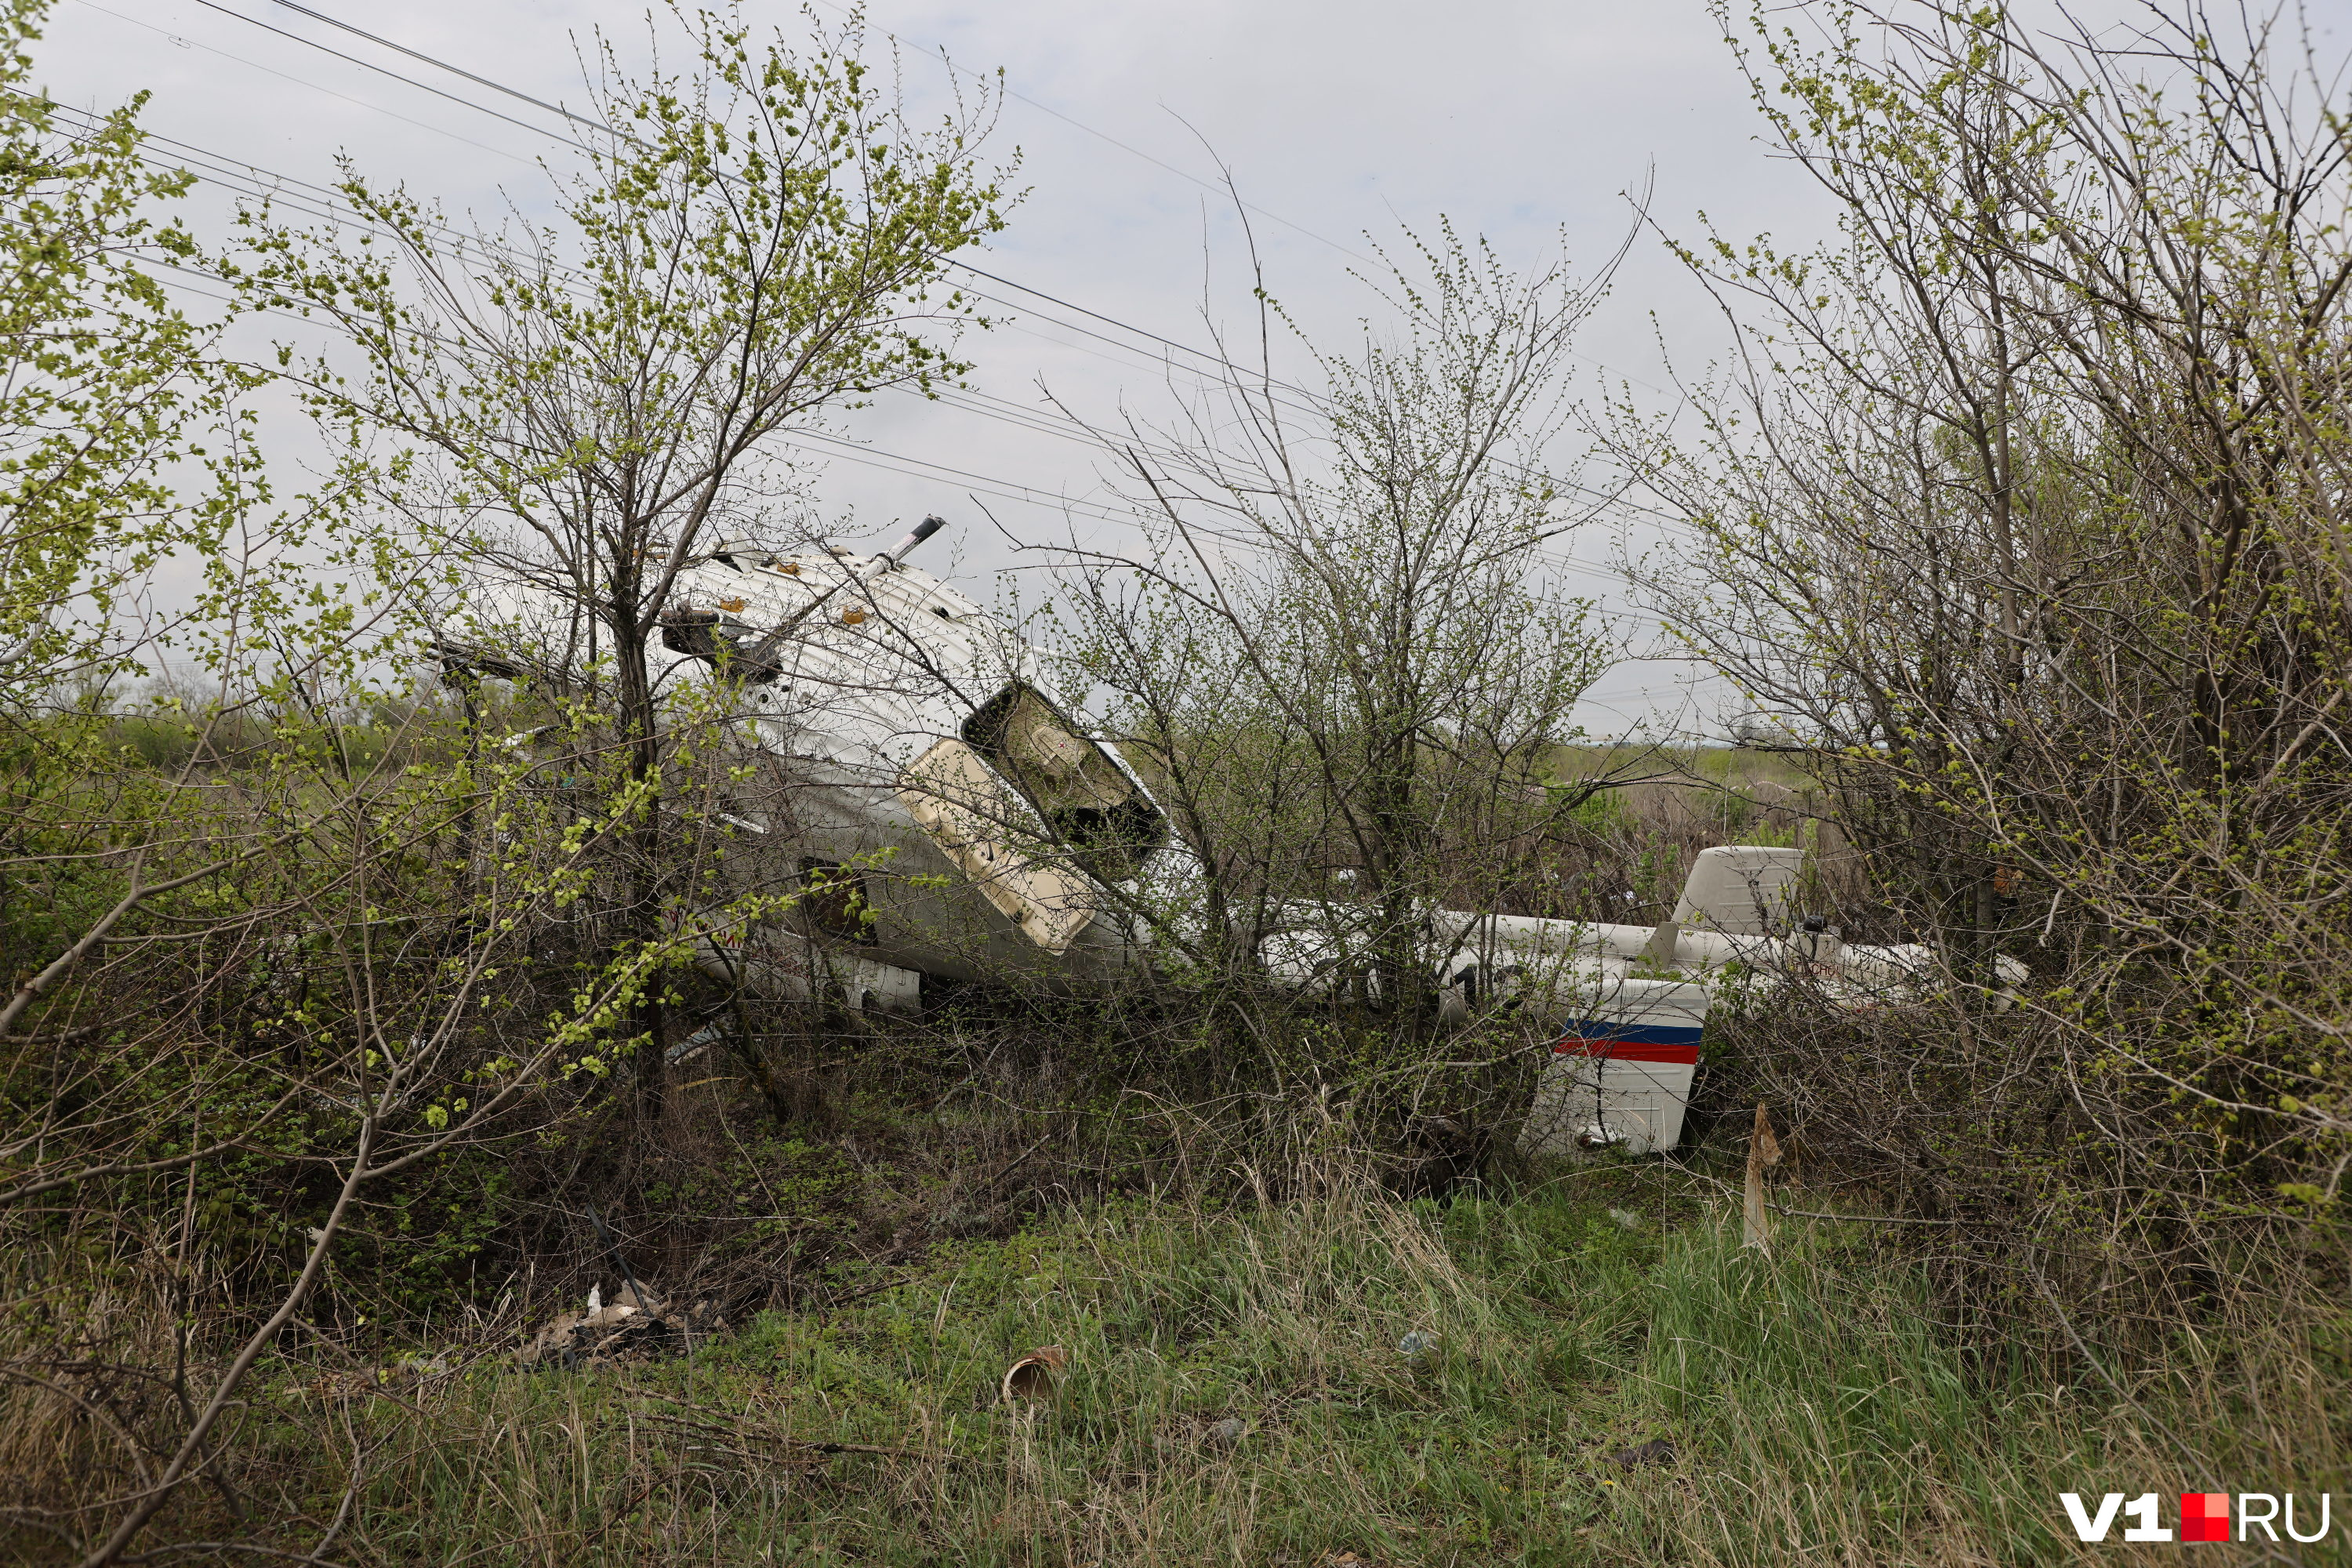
1526,122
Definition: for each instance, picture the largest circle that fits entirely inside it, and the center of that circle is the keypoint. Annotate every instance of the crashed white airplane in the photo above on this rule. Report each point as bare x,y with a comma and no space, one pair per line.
949,818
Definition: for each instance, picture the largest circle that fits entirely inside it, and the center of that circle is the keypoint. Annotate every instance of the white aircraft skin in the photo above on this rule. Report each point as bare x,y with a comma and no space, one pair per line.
921,757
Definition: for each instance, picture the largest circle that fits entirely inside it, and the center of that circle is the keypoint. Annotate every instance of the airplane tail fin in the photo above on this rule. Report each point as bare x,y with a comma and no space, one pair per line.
1740,890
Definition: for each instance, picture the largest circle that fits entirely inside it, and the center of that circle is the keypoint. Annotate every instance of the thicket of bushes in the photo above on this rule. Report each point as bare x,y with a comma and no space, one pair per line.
344,1022
2023,522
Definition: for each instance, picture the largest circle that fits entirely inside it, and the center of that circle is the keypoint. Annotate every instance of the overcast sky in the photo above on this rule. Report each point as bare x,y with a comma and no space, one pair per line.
1522,121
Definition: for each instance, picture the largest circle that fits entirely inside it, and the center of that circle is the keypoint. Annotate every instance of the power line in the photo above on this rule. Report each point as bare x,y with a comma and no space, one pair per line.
939,55
517,93
521,96
858,452
381,70
872,457
1261,376
868,456
271,191
1226,189
304,196
855,452
455,70
262,181
282,76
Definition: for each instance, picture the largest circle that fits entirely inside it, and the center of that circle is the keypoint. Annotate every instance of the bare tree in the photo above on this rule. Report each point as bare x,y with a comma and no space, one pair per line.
2022,510
1346,650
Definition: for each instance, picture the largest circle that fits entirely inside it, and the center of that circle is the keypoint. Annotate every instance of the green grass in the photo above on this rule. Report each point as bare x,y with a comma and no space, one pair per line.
1817,1413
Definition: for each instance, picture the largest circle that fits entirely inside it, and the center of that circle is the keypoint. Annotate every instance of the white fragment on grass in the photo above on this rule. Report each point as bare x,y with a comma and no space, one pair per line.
1627,1218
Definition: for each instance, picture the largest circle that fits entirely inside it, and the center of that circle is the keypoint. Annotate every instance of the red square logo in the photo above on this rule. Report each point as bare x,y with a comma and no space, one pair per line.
2204,1516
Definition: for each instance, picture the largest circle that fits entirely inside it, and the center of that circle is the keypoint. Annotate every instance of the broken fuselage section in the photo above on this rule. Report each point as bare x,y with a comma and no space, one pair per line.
945,817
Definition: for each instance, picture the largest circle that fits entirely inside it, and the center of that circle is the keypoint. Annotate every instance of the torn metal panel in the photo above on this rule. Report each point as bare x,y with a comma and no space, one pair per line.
1620,1073
952,794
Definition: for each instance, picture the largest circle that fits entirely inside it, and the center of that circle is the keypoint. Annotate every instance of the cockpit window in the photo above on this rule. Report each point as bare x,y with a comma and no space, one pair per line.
1085,798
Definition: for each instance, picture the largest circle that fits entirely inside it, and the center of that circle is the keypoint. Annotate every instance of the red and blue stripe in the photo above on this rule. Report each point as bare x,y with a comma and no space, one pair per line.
1614,1041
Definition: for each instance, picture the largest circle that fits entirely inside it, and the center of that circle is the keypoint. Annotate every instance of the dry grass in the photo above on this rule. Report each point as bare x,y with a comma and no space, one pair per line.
1415,1383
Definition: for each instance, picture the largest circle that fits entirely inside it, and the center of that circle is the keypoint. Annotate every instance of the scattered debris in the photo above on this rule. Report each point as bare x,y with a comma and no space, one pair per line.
1180,1439
407,1372
1033,1376
701,1040
1763,1149
1627,1218
623,1332
1415,1346
1656,1451
411,1367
